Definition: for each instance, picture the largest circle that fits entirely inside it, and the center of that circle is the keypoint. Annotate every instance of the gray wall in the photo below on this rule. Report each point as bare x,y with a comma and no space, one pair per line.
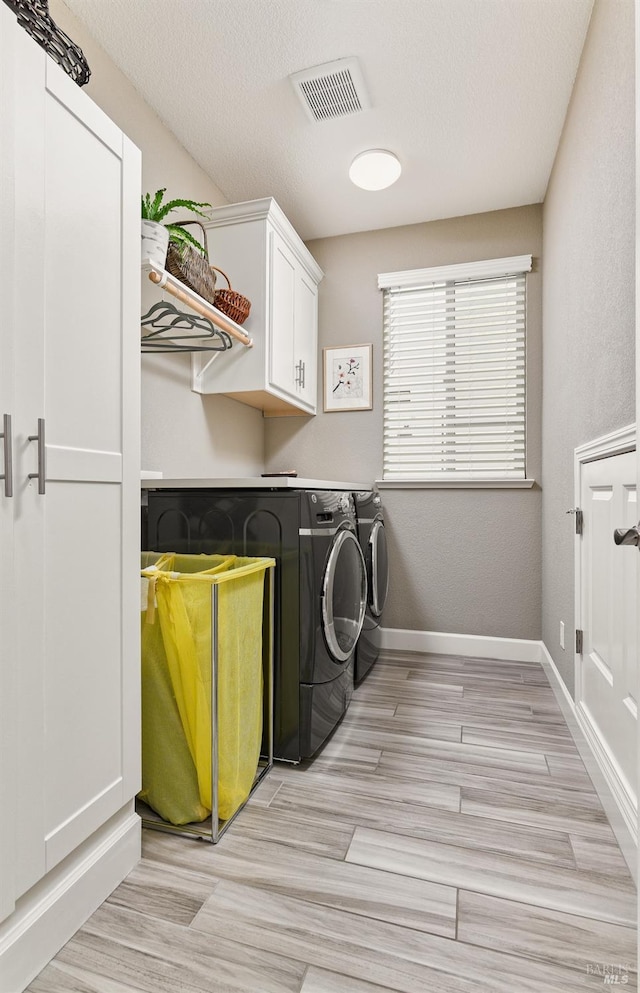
589,300
183,434
466,561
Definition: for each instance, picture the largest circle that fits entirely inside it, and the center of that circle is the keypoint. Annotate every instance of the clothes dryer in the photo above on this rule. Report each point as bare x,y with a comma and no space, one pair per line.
320,589
373,543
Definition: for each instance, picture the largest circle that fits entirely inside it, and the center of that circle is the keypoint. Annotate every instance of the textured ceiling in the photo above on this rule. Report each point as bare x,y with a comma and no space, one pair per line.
470,94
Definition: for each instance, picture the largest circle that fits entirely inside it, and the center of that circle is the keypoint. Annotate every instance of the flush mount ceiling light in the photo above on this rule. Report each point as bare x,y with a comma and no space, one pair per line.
375,169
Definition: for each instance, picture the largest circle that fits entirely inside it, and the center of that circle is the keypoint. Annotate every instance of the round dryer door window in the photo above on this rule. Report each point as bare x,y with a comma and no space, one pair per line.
379,568
344,595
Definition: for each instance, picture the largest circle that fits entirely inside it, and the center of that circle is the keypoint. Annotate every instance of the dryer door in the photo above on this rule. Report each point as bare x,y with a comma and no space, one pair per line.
379,567
344,595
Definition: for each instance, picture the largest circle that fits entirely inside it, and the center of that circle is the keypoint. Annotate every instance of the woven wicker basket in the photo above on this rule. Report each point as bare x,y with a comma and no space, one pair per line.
191,268
233,304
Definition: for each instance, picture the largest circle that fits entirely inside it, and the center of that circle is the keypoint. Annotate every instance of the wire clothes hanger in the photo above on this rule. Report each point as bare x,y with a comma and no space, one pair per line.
168,327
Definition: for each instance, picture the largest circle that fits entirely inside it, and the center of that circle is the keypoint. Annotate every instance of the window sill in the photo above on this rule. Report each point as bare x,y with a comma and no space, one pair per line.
455,484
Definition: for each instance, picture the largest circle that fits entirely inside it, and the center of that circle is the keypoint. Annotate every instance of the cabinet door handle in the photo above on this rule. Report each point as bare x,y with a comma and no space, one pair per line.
40,475
302,374
8,456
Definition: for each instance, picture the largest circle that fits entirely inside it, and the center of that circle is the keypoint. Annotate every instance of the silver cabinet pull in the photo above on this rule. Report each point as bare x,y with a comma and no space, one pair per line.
8,456
302,374
627,536
40,475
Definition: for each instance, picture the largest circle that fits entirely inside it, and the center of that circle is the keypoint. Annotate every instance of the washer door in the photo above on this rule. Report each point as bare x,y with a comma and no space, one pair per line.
379,568
344,595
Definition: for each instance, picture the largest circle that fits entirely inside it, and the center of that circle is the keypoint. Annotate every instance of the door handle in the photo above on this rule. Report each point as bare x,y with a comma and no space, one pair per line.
41,474
627,536
8,456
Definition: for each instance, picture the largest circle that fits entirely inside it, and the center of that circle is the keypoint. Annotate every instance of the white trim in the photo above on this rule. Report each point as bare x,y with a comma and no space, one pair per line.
466,270
615,443
613,798
259,210
455,484
63,89
49,914
474,646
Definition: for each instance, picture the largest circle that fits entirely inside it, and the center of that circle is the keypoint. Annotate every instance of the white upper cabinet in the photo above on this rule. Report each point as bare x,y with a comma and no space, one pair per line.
266,261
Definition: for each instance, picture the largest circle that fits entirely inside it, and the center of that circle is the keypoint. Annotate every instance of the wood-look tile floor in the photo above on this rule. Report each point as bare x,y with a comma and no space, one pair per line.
447,838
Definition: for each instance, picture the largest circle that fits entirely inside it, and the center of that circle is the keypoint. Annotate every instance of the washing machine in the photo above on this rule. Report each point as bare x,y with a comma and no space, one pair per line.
320,589
373,544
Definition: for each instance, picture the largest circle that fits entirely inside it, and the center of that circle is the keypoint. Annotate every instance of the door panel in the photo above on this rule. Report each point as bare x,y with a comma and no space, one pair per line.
90,574
76,560
379,560
83,753
306,337
83,287
8,731
29,509
607,686
344,596
283,277
631,590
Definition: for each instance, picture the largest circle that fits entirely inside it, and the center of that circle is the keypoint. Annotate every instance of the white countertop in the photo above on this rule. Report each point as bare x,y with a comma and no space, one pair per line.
255,483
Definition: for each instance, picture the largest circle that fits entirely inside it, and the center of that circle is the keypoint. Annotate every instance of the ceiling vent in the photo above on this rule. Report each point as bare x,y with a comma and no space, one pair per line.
334,89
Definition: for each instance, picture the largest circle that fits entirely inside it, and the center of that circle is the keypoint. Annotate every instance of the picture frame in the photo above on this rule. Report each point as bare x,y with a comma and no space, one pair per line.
347,378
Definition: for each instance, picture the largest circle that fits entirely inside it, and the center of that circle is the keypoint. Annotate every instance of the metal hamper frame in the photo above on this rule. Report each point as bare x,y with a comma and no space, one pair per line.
212,829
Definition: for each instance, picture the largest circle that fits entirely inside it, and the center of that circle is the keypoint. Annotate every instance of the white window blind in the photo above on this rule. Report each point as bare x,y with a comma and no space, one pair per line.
454,373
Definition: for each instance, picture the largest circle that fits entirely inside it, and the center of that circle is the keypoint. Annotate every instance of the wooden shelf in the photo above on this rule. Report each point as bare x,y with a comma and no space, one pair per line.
163,279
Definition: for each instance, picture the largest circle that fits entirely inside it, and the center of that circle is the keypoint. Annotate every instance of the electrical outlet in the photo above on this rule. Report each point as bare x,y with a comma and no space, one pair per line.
561,634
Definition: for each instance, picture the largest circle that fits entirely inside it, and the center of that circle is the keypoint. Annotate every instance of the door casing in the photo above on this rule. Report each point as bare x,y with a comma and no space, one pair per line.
616,443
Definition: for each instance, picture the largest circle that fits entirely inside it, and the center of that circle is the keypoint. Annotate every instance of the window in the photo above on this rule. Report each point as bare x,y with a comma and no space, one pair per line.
454,372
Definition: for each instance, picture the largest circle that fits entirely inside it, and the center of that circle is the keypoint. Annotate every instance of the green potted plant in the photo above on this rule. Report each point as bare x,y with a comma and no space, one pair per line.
156,234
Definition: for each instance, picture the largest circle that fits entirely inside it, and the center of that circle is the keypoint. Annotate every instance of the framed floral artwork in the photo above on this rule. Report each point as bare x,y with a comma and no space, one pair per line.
347,378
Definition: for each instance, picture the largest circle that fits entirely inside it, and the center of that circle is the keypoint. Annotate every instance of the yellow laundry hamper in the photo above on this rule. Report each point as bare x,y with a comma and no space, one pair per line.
203,692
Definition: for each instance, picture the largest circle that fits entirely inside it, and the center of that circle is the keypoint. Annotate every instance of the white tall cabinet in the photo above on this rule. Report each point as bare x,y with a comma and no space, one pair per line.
69,523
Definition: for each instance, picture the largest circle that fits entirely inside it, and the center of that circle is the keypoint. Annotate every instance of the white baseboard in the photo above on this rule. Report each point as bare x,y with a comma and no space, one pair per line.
50,913
474,646
617,806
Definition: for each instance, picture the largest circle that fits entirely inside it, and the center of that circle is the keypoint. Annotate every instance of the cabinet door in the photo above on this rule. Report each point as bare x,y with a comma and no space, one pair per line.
77,543
293,321
306,339
282,286
28,406
91,404
8,730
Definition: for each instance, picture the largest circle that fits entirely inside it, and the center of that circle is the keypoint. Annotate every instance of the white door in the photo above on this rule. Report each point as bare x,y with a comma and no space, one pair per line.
91,553
637,322
8,732
305,347
607,683
76,528
28,407
282,317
